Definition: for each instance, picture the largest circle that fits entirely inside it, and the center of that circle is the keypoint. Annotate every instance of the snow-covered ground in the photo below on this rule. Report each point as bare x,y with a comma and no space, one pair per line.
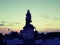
55,41
13,42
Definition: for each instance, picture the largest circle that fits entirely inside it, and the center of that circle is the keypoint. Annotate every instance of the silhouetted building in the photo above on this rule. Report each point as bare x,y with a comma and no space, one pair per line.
28,28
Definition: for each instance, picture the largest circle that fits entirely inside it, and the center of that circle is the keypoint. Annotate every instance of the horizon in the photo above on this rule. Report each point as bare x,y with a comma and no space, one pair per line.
45,15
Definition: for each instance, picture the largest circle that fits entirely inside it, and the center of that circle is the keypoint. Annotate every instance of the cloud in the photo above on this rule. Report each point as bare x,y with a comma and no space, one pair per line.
45,16
52,30
9,25
56,18
17,23
12,24
3,30
3,22
6,24
2,25
51,17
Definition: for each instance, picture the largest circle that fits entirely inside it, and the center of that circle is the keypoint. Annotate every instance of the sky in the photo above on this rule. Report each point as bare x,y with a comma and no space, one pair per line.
45,14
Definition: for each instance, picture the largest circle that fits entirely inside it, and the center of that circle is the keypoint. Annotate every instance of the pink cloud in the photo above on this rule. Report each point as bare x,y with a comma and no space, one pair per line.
3,30
52,30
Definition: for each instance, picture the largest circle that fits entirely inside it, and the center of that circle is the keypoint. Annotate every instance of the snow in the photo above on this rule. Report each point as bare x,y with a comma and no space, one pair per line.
48,42
55,41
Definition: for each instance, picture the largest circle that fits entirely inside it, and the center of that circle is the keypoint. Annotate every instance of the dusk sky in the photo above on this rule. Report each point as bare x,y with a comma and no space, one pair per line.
45,14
